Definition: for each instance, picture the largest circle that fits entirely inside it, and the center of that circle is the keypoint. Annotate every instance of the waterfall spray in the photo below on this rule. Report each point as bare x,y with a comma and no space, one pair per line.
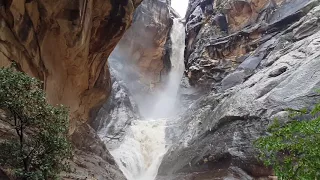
165,104
140,153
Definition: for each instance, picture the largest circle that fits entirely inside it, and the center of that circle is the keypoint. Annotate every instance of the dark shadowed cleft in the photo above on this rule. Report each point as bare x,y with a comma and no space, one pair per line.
3,176
25,28
113,26
71,12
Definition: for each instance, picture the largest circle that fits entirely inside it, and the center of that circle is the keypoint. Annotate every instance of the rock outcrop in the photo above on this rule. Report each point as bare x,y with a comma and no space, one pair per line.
117,113
65,44
143,48
263,61
223,34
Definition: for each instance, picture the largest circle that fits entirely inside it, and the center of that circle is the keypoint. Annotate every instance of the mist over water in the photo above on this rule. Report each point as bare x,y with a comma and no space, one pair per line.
140,153
167,99
180,6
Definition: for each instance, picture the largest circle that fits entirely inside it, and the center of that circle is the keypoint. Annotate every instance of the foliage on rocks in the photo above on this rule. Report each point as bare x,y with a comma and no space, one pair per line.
293,149
40,148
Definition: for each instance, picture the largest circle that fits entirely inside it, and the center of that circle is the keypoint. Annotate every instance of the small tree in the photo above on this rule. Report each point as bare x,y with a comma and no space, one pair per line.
293,149
40,147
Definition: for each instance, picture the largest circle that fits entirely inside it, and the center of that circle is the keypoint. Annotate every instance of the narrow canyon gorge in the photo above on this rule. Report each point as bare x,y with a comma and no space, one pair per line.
158,95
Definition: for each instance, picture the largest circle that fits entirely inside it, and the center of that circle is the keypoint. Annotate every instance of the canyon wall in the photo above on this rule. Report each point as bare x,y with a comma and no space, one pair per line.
65,44
137,65
223,34
255,59
144,46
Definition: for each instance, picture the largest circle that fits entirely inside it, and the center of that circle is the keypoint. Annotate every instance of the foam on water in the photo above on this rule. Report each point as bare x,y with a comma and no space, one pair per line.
140,154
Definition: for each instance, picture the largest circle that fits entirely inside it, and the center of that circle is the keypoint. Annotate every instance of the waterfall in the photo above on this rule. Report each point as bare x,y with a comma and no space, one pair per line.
140,152
165,104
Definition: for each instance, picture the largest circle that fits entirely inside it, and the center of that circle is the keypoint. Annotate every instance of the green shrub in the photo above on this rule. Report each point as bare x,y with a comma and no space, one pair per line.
293,149
40,147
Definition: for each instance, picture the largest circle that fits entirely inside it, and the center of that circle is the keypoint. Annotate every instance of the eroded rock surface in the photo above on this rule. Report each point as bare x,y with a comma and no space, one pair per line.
92,159
221,35
267,63
144,45
65,44
117,113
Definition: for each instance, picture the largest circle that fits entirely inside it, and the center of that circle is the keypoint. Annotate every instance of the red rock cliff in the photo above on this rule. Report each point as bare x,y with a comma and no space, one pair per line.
65,43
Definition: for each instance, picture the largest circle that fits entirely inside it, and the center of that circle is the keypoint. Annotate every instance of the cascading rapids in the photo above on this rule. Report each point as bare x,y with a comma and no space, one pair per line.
140,153
139,156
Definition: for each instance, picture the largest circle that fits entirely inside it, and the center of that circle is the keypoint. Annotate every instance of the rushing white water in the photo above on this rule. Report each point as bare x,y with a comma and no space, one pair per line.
140,153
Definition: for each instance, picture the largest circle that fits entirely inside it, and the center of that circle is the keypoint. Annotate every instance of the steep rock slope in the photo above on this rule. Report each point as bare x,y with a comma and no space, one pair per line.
117,113
223,34
66,43
257,58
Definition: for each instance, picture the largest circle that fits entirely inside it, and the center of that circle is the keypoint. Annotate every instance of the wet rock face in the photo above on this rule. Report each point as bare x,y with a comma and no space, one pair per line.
117,113
65,44
223,34
279,71
144,44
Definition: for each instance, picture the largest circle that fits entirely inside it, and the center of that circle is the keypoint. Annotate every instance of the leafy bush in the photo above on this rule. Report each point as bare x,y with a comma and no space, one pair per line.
293,149
40,147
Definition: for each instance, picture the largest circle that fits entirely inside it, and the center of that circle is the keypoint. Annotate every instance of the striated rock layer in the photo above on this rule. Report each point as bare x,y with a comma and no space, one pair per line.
66,43
223,34
256,59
